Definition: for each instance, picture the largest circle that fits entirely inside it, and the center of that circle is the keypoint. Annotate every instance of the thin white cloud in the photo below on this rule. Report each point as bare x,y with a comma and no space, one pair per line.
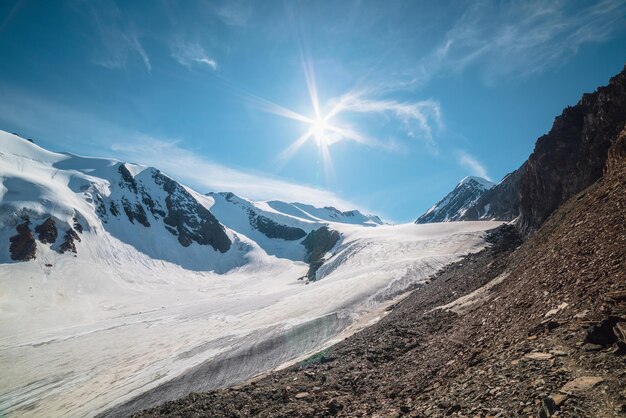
471,163
233,12
189,53
419,119
119,39
521,38
206,175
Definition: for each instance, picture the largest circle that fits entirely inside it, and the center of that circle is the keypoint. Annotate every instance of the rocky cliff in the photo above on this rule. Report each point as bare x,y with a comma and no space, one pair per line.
572,156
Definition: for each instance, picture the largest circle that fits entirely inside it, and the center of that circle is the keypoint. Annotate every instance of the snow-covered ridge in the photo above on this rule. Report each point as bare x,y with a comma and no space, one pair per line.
142,207
486,184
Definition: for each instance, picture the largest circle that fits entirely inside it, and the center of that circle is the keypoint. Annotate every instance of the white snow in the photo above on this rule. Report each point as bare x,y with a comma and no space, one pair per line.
486,184
134,309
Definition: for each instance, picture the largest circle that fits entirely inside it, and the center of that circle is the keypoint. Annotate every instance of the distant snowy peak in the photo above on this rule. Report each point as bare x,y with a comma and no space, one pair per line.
298,213
473,180
456,203
326,213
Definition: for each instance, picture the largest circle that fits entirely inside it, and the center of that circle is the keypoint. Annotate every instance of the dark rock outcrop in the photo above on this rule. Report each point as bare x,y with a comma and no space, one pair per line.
68,242
572,156
272,229
499,203
77,225
23,244
188,219
127,179
135,212
47,231
317,244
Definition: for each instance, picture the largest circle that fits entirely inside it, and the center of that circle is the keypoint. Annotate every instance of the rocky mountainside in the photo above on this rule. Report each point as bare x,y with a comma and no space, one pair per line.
535,330
456,203
565,161
573,154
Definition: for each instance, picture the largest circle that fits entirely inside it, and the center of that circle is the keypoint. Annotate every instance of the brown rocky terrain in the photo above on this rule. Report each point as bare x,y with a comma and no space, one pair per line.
533,331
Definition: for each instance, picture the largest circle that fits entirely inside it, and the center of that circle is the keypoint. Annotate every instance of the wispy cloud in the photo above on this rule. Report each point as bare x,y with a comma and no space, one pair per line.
233,12
187,166
521,38
120,40
189,53
472,164
419,119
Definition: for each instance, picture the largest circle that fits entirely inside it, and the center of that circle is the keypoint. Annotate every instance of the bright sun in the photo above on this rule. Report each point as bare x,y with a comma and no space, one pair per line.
318,131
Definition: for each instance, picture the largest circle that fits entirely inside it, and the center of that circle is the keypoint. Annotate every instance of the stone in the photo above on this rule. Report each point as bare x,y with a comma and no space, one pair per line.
581,384
547,408
454,408
302,395
602,333
592,347
559,399
538,356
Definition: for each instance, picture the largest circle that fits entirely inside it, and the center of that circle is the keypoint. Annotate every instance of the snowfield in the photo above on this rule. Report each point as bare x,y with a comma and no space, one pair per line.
134,318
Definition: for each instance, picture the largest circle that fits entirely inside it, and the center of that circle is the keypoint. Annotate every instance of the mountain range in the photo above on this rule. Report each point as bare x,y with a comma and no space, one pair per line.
154,290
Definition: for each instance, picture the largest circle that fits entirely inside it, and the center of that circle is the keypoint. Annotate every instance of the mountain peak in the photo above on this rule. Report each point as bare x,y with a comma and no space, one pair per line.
487,184
458,201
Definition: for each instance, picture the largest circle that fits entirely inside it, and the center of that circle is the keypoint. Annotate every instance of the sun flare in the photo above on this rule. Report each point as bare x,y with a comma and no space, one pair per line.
318,131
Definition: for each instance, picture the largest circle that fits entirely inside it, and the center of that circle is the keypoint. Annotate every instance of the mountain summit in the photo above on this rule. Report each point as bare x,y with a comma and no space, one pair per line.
457,202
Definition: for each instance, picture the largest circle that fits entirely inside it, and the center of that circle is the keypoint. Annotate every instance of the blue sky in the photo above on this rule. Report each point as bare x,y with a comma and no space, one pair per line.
412,96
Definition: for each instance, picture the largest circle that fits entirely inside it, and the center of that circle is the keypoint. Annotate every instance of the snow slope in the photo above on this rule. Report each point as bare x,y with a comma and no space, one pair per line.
138,306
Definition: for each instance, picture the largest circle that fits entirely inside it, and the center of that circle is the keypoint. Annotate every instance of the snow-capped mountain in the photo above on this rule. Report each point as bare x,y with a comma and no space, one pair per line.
501,202
457,202
50,201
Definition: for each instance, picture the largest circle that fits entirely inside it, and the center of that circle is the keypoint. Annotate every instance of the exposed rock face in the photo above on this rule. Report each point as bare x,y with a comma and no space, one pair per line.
23,244
77,225
498,203
68,242
454,206
272,229
573,154
135,213
188,219
317,244
127,178
617,155
47,231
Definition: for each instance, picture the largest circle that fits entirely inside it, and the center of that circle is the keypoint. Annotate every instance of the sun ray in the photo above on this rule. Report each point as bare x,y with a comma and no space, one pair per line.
295,146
